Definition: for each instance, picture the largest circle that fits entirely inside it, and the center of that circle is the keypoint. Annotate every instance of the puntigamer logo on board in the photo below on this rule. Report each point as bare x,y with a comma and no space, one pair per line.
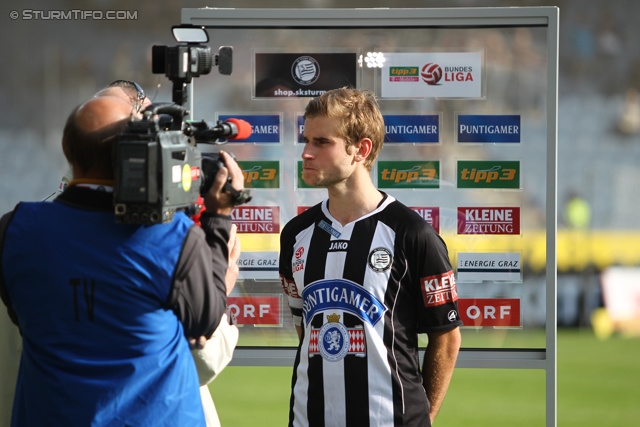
409,174
489,174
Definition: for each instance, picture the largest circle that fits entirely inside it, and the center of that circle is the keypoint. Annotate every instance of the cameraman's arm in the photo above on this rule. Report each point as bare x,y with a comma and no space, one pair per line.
199,296
201,307
4,294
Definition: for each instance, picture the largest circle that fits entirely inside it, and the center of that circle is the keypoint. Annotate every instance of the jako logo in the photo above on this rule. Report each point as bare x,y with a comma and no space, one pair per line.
431,73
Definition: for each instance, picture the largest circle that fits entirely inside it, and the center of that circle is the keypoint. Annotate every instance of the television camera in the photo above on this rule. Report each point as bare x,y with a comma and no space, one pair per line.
158,167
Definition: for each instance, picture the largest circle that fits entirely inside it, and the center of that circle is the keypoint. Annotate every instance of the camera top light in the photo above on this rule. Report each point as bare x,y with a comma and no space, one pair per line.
189,34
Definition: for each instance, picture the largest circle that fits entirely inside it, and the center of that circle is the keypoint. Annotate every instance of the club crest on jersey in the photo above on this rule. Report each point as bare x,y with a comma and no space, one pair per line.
380,259
333,341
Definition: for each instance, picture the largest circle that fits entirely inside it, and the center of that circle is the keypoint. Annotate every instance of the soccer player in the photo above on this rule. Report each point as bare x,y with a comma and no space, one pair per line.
364,275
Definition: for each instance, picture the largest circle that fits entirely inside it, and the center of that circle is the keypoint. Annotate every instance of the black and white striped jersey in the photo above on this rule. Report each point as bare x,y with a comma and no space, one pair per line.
362,292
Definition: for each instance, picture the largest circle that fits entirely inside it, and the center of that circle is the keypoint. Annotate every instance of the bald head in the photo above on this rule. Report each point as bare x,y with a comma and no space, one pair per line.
89,134
119,92
127,94
100,113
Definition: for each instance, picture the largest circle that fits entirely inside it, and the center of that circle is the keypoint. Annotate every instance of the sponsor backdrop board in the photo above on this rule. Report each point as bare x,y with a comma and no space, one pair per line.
458,148
468,143
469,99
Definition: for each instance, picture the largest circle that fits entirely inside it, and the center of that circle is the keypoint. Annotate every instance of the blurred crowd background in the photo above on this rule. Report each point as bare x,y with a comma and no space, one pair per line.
49,66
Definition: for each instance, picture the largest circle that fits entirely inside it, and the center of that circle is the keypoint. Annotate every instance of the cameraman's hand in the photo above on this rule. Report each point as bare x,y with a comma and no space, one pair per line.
217,200
197,343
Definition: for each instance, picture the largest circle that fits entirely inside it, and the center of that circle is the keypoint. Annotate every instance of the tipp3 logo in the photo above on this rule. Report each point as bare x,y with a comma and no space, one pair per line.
489,174
409,174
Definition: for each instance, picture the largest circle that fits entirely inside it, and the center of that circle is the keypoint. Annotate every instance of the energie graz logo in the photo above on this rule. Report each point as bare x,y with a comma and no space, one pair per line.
489,174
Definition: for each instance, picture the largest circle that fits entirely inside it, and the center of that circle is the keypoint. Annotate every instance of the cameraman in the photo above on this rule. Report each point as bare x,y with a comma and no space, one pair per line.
105,309
211,355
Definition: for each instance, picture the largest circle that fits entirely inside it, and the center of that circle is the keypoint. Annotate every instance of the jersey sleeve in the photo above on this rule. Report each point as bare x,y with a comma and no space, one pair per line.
435,284
286,274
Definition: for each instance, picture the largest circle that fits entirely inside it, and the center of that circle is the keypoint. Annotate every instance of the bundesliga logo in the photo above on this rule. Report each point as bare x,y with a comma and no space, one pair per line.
431,73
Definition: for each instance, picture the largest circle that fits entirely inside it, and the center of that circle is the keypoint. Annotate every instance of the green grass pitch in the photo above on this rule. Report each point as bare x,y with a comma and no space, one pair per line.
598,385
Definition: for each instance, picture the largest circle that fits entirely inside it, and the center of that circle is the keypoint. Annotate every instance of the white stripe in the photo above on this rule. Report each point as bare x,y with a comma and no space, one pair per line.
334,391
333,378
380,386
393,343
302,385
302,382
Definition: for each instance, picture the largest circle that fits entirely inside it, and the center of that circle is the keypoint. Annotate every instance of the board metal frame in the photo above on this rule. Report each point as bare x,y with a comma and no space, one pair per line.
481,17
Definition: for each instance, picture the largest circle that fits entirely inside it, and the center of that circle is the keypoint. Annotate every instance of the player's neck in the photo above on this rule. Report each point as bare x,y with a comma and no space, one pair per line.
350,202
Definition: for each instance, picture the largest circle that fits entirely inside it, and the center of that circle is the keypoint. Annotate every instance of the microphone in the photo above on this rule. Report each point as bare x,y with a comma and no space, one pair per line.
234,128
227,130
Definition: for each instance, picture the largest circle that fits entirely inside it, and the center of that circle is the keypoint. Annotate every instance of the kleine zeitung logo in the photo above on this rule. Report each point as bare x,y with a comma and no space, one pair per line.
489,220
256,219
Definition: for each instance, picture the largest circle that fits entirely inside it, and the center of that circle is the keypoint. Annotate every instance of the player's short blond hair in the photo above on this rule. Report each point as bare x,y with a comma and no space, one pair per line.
358,115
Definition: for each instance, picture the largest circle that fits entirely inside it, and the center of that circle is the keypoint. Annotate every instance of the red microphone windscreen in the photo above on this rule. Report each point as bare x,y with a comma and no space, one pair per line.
244,128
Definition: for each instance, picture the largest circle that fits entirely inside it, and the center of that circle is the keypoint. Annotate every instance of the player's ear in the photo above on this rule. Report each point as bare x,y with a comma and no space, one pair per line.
363,149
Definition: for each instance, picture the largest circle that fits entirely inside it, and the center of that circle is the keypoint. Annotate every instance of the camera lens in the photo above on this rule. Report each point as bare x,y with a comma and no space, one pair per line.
203,59
211,163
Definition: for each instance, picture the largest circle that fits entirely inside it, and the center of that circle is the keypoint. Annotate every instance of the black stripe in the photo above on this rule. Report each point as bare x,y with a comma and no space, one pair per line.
315,270
355,368
294,378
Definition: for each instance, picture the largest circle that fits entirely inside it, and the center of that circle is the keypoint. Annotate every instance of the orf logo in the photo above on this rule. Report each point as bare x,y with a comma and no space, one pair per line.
431,73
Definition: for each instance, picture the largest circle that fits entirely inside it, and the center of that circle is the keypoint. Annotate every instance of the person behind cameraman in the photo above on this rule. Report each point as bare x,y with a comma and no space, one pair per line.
105,309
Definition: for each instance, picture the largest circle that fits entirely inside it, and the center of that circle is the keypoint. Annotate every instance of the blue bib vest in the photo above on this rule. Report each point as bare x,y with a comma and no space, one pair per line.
99,346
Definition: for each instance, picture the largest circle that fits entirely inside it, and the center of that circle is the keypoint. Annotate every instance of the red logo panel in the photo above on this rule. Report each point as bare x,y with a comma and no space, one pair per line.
478,220
477,312
256,219
256,310
439,289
